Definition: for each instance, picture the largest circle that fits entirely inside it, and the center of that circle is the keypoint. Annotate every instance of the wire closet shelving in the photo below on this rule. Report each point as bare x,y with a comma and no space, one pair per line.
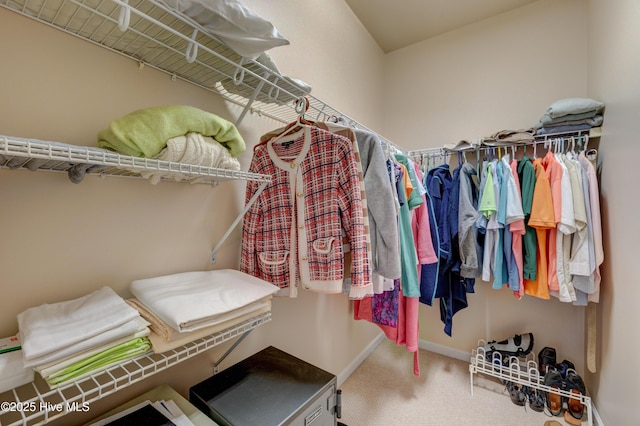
153,34
150,33
37,404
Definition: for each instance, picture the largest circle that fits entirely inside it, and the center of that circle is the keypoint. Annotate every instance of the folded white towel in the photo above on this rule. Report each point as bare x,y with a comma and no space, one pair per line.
106,337
192,300
12,372
159,345
169,334
50,327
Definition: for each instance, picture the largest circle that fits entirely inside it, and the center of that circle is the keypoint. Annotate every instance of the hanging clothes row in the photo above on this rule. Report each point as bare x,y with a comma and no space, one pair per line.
395,309
346,212
531,224
329,181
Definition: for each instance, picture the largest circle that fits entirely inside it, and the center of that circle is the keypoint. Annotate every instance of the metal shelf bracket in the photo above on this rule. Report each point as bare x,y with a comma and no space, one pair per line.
235,223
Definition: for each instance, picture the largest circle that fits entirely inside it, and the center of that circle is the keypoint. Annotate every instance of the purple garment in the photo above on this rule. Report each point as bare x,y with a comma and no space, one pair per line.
384,306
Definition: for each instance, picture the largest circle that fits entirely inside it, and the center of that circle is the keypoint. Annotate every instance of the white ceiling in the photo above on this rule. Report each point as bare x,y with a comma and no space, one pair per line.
398,23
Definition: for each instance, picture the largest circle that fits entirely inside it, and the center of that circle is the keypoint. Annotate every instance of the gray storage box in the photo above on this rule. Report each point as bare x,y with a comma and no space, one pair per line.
269,388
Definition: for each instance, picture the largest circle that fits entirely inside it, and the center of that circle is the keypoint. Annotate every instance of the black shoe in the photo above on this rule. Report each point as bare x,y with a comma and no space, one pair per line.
536,399
519,345
553,379
575,386
546,359
516,393
565,366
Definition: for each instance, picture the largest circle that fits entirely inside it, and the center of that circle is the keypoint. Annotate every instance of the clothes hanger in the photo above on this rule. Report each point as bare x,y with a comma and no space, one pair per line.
573,144
301,107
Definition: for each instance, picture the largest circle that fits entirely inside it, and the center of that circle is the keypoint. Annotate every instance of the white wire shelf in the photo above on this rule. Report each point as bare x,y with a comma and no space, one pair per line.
163,39
523,371
20,153
158,37
36,404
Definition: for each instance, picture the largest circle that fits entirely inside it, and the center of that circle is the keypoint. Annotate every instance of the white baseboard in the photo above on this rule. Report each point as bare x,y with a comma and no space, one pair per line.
344,375
597,421
444,350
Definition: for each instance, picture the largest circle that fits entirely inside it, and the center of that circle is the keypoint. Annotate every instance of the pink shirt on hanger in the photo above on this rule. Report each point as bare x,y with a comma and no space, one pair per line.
553,170
422,230
517,231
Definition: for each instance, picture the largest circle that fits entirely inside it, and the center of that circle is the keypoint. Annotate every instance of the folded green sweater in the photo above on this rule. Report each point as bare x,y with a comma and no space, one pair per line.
120,352
145,132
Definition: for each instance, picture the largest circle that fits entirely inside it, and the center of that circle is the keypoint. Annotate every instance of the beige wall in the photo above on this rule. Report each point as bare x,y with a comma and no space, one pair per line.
500,73
61,241
613,70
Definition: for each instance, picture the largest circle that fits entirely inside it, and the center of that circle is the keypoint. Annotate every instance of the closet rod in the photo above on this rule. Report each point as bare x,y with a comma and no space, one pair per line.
321,111
428,151
558,137
592,132
484,146
394,146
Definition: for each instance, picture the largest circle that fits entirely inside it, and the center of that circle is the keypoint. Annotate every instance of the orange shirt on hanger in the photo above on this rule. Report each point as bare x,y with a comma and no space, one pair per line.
542,219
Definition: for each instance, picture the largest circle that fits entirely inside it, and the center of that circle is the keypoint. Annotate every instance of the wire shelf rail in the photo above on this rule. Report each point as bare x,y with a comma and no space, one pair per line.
36,404
31,154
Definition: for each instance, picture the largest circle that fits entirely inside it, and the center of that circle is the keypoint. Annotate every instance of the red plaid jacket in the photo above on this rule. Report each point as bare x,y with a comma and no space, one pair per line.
292,234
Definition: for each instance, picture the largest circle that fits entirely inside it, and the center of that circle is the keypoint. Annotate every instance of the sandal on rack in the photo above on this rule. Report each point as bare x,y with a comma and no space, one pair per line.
536,399
516,393
575,407
553,379
565,366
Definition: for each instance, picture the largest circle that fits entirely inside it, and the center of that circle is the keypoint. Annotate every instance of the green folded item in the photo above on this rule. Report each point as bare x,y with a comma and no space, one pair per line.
145,132
120,352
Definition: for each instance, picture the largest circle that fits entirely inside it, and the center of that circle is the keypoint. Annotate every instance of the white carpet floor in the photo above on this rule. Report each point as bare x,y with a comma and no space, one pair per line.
384,391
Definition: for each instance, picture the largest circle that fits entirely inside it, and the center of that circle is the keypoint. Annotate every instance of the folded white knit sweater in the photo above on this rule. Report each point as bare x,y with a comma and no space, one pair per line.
196,149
